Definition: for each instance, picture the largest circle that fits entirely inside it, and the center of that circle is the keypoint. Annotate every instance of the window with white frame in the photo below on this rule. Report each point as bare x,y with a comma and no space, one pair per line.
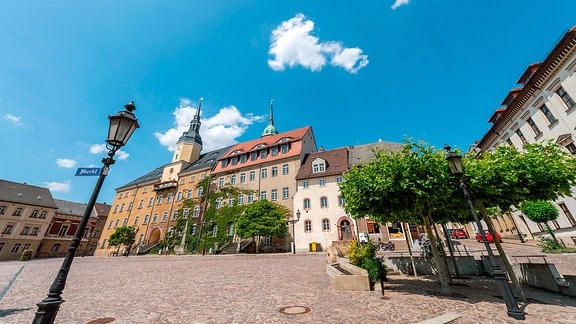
548,114
285,193
130,205
308,226
3,210
285,169
150,202
64,230
215,230
8,228
125,222
240,199
250,198
521,136
221,182
231,229
565,97
264,173
274,171
25,230
341,201
15,248
116,223
233,179
242,177
218,203
146,219
200,191
267,241
323,202
253,156
263,195
179,196
534,127
136,219
318,166
169,198
231,201
141,204
185,213
243,158
35,231
284,148
155,218
306,203
326,225
274,195
322,182
43,215
274,150
263,154
252,176
339,179
159,200
164,216
33,215
196,212
306,184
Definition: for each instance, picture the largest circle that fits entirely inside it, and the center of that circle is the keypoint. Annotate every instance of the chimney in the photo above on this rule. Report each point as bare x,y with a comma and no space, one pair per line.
321,148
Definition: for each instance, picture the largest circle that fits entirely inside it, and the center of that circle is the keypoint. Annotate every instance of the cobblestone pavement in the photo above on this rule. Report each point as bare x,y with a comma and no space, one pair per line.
252,289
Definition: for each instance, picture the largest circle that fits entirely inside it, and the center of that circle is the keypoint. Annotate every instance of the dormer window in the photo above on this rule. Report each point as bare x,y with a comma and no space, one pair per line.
263,154
234,160
318,165
253,156
274,150
284,148
224,163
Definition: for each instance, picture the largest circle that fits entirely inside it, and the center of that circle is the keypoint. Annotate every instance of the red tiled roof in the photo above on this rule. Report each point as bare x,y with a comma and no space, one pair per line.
497,114
511,95
293,137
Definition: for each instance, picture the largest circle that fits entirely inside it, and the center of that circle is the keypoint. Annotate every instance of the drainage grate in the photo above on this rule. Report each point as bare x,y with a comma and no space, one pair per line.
103,320
294,310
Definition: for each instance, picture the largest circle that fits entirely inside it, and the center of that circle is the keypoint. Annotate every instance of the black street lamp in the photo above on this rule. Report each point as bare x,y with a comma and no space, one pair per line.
294,221
122,125
455,164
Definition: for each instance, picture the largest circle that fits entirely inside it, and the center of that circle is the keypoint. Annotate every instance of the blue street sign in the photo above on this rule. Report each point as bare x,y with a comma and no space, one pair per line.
88,171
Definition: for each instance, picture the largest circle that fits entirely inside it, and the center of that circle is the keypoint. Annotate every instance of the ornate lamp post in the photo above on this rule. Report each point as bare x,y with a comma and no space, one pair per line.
122,125
455,164
294,221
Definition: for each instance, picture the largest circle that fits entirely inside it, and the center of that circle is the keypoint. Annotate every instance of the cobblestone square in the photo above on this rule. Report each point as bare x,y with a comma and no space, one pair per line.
247,289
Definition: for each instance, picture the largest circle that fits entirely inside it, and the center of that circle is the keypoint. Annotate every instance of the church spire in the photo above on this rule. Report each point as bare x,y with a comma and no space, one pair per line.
193,133
270,129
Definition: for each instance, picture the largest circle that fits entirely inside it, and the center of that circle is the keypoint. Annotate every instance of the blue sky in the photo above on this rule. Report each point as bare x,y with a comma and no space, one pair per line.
357,72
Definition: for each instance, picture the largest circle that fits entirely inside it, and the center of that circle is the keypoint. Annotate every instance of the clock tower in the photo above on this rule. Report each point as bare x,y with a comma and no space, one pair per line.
189,145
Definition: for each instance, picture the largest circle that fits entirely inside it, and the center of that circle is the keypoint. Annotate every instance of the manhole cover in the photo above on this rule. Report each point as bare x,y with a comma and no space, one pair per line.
293,310
103,320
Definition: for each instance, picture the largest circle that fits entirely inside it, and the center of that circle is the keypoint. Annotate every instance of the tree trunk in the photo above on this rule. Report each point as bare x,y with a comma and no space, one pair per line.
503,257
408,242
451,250
443,255
442,272
551,232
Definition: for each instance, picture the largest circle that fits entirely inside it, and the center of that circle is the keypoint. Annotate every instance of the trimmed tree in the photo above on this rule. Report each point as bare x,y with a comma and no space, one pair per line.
260,219
541,211
125,235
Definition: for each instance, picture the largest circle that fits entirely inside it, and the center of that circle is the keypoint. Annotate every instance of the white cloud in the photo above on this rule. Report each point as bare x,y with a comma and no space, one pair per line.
292,44
13,119
101,149
66,163
399,3
217,131
63,187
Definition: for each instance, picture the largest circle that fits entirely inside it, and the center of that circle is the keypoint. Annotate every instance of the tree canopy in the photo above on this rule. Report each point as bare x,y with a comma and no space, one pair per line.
123,235
539,211
262,218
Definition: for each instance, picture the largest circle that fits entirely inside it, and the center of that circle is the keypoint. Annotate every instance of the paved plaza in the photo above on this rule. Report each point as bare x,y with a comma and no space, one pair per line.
271,288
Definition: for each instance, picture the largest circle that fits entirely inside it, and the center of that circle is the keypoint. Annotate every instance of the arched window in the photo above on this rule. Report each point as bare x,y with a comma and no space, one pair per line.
136,219
323,202
306,203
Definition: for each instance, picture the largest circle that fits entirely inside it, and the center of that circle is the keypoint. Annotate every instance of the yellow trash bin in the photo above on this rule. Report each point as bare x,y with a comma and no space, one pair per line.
313,246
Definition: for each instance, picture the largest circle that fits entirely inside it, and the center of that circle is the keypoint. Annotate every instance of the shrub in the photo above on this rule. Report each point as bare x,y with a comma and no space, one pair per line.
26,255
357,253
376,270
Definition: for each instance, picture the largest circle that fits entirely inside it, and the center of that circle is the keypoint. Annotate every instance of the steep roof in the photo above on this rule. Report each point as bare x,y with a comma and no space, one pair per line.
102,209
206,160
73,208
22,193
293,137
336,163
363,153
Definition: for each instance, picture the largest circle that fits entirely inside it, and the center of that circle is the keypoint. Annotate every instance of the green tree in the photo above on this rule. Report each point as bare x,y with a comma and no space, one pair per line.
125,235
541,211
413,185
506,177
262,218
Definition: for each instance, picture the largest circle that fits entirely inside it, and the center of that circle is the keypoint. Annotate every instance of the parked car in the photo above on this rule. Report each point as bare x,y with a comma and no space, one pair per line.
457,233
489,237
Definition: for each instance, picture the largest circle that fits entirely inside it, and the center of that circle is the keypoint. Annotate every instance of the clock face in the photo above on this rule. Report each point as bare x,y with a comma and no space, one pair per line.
177,148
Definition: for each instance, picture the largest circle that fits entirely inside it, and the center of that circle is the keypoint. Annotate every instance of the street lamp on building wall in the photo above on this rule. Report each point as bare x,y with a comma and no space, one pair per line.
294,221
455,164
122,125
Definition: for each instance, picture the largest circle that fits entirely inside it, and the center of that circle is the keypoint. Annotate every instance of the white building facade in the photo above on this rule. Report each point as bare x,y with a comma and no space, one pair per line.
541,108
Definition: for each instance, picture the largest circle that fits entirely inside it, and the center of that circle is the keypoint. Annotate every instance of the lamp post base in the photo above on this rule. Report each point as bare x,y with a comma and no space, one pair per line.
47,310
